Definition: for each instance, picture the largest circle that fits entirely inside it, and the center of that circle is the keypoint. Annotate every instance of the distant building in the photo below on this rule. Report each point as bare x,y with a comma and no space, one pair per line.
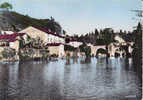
6,32
111,49
74,43
119,39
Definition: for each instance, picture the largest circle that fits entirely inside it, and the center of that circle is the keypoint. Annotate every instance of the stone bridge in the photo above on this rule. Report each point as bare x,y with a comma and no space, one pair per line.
95,48
112,49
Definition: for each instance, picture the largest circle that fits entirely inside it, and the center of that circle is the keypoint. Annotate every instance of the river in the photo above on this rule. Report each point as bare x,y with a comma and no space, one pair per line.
58,80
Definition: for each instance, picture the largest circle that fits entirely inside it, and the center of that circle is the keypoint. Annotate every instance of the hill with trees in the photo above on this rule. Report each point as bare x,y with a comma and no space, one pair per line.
11,20
105,36
15,21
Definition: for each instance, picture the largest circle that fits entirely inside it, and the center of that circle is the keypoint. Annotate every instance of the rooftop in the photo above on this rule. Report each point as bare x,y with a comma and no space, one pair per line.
49,32
11,37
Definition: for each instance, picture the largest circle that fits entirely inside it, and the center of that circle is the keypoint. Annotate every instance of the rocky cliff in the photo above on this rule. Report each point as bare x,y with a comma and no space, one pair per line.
14,21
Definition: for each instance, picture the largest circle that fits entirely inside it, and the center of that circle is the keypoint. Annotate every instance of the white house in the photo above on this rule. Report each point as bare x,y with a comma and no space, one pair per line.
43,34
53,41
10,41
6,32
75,43
119,39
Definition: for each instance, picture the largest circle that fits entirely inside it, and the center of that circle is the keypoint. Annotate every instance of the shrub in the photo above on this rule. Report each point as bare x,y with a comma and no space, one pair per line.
5,53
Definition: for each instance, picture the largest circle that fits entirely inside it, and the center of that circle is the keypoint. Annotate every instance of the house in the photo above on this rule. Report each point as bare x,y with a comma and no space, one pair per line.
111,49
56,49
53,41
74,43
119,39
45,35
10,41
6,32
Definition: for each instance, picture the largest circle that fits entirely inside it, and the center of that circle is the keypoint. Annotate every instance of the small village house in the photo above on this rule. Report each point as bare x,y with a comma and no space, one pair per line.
10,41
53,41
74,43
6,32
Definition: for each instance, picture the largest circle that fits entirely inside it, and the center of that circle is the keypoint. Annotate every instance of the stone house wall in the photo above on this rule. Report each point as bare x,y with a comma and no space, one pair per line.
58,50
34,33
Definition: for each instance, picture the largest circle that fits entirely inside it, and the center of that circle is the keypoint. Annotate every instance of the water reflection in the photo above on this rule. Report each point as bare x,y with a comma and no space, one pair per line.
73,81
75,60
3,82
13,78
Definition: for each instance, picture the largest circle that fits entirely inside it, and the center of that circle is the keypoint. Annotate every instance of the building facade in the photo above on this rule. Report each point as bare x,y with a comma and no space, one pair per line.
53,41
10,41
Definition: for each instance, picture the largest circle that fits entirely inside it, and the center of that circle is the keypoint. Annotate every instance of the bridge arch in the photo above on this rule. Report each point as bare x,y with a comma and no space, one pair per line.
94,49
101,51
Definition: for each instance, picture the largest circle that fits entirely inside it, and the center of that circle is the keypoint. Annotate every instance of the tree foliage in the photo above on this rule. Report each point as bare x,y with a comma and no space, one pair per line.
69,48
6,5
138,42
5,53
26,21
105,36
86,49
8,53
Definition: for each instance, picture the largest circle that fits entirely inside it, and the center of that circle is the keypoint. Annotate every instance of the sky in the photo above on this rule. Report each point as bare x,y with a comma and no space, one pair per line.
82,16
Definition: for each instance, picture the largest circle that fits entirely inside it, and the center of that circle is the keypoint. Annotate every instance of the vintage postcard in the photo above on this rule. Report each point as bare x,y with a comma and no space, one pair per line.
71,49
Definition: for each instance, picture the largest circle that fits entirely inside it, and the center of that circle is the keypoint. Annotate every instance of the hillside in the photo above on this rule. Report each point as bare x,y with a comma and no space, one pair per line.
14,21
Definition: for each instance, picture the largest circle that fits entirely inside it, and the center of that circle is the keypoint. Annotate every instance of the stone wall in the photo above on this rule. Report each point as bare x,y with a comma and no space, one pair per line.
1,49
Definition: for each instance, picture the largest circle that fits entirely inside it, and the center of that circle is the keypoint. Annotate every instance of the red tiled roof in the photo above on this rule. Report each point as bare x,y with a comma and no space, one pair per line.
47,31
53,44
21,34
74,41
13,40
11,37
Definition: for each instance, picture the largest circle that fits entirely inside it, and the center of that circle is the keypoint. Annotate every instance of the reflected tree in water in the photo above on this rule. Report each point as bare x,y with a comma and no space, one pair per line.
68,59
75,56
87,50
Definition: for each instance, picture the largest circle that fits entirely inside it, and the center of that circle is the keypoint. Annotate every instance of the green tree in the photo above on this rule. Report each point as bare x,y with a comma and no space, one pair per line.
86,49
5,53
137,52
108,35
15,27
8,53
96,32
11,53
69,48
6,5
